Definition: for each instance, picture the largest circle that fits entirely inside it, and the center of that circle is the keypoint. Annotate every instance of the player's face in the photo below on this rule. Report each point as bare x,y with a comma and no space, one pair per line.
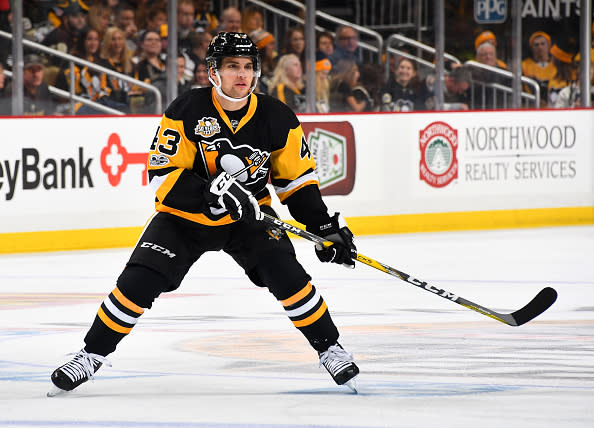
237,74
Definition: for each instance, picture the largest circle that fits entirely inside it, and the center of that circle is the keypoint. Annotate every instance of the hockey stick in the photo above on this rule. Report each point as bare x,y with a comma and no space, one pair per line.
540,303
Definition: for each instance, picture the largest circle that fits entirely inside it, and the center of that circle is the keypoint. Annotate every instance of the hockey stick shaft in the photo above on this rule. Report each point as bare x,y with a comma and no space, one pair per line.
543,300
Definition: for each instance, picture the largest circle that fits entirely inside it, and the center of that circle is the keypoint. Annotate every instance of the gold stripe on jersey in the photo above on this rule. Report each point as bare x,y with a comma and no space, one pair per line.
203,219
196,217
245,119
305,180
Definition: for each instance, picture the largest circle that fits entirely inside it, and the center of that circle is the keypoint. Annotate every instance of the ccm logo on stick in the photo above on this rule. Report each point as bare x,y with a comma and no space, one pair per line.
158,248
435,290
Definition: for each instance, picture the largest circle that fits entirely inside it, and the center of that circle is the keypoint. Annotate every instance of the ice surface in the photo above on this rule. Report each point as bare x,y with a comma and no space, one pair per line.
219,352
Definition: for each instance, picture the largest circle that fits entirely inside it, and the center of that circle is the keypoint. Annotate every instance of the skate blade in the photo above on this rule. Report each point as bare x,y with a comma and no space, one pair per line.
55,391
352,385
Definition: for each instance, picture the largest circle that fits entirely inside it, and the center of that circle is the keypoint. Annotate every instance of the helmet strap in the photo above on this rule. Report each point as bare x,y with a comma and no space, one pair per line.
227,97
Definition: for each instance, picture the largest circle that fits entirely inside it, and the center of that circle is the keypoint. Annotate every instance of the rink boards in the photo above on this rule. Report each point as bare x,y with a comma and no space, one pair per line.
75,183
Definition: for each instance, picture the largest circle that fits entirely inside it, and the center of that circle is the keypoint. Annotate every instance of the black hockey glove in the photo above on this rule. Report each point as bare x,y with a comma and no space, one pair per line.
223,191
343,251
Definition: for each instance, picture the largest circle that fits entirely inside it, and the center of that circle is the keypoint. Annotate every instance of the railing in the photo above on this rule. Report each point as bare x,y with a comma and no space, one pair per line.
375,49
393,15
498,89
76,60
67,95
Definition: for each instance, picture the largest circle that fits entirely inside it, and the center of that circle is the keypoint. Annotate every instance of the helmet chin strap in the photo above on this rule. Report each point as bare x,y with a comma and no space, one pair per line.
227,97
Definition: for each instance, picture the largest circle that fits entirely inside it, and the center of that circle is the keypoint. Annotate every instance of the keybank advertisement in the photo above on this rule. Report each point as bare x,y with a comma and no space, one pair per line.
69,173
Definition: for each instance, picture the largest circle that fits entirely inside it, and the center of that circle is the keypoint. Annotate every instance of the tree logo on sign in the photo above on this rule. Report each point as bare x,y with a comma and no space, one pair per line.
438,143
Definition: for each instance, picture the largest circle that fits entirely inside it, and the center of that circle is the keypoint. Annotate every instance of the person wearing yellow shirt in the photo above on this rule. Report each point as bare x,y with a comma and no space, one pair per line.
539,66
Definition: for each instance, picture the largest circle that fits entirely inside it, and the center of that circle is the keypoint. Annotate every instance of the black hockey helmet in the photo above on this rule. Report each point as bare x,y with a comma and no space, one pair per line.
227,44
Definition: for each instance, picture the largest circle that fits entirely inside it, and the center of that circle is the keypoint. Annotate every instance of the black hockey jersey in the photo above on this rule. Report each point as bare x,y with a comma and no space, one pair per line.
196,138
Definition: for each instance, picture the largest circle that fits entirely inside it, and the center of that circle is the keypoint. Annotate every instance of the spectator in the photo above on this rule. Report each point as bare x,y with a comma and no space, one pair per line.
124,15
539,65
266,44
569,97
86,82
5,44
199,42
183,83
456,84
368,88
325,43
201,75
204,20
287,82
347,45
485,54
230,20
100,18
5,99
403,89
37,99
155,18
323,68
150,69
65,37
116,57
566,71
295,44
185,24
252,19
345,77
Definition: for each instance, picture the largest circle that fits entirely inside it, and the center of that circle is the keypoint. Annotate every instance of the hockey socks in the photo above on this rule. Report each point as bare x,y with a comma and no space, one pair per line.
115,318
308,312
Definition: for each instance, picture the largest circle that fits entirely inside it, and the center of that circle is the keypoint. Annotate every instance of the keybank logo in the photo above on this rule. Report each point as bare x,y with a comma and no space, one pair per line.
34,171
115,160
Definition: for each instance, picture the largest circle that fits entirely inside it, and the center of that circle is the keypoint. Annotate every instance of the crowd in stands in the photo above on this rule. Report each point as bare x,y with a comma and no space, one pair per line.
130,37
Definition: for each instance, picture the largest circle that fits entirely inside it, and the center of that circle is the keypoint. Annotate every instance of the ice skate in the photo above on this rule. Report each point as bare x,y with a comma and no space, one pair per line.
341,366
75,372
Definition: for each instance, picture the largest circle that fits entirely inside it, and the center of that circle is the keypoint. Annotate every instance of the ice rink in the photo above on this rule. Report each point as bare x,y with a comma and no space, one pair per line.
220,352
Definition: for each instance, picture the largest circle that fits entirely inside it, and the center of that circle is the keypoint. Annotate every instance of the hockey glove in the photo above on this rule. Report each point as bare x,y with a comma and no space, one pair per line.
343,251
224,191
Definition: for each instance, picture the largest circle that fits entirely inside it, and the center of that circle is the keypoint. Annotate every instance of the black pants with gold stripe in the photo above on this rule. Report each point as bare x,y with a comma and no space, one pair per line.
170,245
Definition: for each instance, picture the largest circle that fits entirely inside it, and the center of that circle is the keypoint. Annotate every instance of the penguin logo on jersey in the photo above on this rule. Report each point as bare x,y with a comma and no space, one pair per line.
243,162
207,127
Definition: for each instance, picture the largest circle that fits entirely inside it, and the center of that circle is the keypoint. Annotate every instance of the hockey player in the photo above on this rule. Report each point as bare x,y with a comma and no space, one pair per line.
209,162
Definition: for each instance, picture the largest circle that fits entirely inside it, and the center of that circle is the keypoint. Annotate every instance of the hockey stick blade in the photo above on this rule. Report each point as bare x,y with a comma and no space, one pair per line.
540,303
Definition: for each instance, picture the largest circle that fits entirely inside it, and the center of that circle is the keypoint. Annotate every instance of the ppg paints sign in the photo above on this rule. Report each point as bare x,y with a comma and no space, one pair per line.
490,11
